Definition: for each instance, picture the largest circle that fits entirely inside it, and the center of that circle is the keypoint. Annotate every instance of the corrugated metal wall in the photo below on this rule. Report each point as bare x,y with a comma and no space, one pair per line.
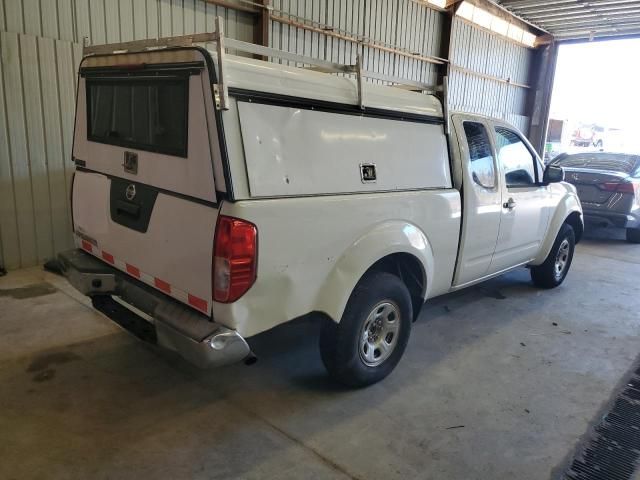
108,21
40,48
413,27
402,24
476,49
37,97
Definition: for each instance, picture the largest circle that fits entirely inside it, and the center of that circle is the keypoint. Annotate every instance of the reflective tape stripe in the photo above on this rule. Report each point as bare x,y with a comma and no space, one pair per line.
135,271
198,303
162,285
193,301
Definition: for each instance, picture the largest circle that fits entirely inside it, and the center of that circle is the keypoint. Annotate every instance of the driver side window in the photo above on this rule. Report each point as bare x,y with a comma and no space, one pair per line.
515,159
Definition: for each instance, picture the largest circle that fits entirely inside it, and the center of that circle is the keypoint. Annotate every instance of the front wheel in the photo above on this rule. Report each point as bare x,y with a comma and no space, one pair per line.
373,333
554,269
633,235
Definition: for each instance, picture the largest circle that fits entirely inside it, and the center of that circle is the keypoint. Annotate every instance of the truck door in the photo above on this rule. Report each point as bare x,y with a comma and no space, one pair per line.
525,201
482,197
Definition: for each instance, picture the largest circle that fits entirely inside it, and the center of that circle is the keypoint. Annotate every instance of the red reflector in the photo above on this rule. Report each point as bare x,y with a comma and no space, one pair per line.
162,285
107,257
87,246
198,303
131,270
235,258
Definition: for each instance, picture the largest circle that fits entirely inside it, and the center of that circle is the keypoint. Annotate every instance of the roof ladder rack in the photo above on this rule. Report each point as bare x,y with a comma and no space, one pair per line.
222,43
221,92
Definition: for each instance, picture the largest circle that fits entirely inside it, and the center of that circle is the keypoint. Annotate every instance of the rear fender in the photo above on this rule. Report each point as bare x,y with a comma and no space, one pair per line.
382,240
568,205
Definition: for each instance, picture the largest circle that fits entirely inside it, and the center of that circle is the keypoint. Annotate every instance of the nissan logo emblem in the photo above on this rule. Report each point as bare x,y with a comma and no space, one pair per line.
130,193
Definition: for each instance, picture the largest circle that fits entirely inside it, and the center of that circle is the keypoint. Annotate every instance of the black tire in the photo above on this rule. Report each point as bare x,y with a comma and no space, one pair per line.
546,275
341,343
633,235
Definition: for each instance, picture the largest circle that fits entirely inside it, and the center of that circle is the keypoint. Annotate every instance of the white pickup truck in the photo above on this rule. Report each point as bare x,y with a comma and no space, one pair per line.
218,196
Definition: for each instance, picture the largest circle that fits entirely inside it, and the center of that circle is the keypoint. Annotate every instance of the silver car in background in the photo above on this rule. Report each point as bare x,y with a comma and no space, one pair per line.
608,185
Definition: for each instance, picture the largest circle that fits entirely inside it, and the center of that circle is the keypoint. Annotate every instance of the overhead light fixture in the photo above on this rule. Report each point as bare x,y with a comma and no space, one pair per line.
485,19
515,33
482,18
499,26
465,10
438,3
529,39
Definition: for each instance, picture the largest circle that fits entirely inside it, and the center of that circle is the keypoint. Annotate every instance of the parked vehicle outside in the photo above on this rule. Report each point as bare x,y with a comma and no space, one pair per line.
301,194
588,136
608,185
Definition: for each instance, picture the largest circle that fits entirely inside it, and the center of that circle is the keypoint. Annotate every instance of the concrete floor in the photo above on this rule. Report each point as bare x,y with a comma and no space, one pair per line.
489,388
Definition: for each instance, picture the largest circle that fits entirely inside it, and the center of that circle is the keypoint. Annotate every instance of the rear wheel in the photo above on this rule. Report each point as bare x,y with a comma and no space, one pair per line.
553,271
373,333
633,235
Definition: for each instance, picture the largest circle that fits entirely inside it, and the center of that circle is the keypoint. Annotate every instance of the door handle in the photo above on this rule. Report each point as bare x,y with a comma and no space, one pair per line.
124,208
510,204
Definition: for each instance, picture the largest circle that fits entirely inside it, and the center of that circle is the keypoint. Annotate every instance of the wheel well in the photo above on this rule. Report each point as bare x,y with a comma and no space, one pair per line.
409,269
575,221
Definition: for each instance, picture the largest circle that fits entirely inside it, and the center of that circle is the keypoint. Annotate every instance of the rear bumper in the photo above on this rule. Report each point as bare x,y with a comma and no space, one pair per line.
610,219
192,335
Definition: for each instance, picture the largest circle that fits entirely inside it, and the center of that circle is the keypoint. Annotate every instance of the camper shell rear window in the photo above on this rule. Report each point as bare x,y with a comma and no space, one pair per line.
139,112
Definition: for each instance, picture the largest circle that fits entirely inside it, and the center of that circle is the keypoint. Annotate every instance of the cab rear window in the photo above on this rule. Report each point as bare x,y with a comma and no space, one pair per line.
139,113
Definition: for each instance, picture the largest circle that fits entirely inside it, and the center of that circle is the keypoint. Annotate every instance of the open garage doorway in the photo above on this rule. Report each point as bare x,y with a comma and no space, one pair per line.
595,101
593,133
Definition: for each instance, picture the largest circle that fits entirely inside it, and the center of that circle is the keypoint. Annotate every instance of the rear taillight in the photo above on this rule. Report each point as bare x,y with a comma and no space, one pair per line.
235,258
619,187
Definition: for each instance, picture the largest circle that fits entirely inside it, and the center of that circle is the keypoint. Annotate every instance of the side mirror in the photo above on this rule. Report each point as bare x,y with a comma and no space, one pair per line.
553,174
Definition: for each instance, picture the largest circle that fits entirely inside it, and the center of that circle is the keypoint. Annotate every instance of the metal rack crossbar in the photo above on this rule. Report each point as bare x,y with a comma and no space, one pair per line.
222,44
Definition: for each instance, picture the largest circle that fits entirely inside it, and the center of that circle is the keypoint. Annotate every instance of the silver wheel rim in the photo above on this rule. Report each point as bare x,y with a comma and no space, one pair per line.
379,334
562,258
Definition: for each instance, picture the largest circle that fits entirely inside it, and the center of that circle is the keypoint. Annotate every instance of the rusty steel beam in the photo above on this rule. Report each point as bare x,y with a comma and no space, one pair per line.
543,71
261,26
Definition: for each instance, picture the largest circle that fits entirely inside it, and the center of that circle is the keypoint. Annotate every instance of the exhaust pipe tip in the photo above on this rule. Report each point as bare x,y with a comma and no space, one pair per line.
250,359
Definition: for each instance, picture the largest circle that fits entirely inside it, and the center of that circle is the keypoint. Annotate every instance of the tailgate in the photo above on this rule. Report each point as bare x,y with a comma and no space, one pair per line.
144,194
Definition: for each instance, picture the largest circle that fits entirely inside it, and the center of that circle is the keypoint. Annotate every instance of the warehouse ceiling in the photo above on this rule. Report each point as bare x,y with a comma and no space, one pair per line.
580,19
